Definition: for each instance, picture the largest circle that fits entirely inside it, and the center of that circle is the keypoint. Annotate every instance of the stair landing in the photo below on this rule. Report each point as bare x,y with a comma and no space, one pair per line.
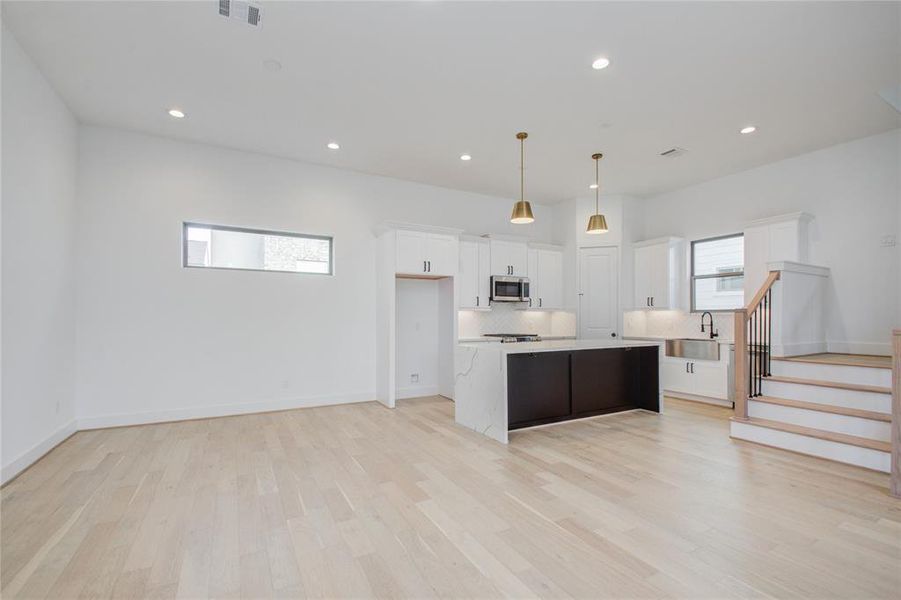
850,360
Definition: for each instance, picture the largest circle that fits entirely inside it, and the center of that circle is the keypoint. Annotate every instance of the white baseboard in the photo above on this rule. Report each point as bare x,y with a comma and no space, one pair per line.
220,410
799,348
417,391
30,456
874,348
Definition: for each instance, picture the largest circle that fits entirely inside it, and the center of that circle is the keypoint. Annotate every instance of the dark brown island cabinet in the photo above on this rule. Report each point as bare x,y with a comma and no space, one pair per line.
552,386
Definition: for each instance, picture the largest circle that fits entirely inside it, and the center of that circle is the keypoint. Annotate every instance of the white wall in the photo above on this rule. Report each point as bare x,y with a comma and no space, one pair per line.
417,337
38,303
157,341
852,191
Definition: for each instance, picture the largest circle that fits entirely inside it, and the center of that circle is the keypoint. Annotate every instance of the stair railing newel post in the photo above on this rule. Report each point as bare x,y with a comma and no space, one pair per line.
753,329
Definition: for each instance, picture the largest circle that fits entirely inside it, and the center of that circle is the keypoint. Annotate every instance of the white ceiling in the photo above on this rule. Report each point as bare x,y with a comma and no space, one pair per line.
405,88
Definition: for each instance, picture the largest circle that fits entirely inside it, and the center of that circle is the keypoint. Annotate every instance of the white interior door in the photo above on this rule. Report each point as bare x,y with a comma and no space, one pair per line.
598,306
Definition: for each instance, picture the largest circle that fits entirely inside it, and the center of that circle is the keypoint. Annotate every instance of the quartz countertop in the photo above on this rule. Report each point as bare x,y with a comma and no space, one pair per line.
560,345
483,339
663,339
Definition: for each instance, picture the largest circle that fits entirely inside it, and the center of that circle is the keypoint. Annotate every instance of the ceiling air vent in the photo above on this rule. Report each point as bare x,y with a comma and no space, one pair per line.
673,152
241,10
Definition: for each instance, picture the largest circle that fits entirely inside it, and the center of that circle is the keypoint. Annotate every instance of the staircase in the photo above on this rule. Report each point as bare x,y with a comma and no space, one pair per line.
833,406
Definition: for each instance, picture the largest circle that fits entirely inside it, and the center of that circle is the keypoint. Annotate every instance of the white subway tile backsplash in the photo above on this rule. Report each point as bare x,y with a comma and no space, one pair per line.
674,324
505,318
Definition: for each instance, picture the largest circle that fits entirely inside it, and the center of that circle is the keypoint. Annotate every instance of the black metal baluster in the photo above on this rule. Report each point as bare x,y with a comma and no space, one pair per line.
753,354
769,321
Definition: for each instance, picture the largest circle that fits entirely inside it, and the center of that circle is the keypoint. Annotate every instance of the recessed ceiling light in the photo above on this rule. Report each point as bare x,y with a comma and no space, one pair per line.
600,63
333,146
272,65
749,129
593,186
465,157
174,112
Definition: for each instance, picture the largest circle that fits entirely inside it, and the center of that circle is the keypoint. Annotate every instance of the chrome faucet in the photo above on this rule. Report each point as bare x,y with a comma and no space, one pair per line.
713,334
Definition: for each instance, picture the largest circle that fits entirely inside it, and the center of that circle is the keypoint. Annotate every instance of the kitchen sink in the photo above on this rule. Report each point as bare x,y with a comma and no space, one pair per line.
693,348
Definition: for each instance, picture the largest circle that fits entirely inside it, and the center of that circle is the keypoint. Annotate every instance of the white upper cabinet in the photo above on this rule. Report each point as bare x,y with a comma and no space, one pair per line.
657,273
546,277
775,239
474,273
509,258
426,254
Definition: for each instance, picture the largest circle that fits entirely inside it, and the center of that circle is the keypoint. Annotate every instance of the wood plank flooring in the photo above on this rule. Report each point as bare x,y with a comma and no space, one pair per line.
361,501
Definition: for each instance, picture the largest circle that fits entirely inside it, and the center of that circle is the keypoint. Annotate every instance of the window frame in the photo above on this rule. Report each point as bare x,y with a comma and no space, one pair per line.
692,277
274,232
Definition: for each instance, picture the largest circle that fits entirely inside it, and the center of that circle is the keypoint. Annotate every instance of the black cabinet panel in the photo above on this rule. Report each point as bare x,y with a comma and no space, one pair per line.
537,388
544,387
600,379
649,378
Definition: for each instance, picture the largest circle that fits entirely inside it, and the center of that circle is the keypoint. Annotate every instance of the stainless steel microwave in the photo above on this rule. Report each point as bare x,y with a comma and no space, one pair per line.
509,289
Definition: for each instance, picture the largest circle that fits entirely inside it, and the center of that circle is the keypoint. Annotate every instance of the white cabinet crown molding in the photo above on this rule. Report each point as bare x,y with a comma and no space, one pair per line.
655,241
545,246
399,225
795,216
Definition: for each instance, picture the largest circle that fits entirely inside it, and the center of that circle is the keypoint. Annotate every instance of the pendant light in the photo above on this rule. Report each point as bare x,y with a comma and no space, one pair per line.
522,210
597,223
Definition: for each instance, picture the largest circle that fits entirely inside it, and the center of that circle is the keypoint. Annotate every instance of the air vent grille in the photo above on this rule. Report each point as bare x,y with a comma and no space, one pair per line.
673,152
241,10
253,15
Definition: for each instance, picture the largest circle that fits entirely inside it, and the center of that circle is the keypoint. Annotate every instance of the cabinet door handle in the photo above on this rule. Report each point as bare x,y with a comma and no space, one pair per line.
652,300
540,302
692,367
430,266
423,266
686,368
477,300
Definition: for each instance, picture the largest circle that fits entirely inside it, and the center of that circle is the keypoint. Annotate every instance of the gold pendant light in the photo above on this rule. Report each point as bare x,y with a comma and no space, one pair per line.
597,223
522,210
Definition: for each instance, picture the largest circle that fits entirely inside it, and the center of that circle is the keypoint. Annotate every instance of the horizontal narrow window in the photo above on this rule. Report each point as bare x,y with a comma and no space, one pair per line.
222,247
718,273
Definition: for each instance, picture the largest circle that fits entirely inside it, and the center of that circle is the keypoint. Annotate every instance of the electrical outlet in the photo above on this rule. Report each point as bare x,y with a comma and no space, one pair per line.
888,241
414,378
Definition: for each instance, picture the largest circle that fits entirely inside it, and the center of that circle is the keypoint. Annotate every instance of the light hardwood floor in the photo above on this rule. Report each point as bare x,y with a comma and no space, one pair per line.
359,501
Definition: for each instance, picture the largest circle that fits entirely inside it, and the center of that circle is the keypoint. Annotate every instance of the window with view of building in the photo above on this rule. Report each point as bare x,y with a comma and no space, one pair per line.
222,247
717,273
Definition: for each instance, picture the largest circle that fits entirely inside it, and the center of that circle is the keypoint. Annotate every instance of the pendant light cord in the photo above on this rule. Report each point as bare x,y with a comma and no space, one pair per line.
522,169
597,185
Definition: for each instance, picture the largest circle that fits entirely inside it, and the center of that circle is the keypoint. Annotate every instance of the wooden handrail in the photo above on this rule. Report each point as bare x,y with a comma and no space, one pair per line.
772,278
742,315
895,478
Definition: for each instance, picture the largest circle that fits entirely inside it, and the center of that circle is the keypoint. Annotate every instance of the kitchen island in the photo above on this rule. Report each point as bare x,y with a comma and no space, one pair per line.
501,387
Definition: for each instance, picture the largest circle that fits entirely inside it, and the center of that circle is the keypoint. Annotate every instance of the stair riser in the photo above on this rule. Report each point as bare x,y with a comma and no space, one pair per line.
866,428
845,453
837,373
826,395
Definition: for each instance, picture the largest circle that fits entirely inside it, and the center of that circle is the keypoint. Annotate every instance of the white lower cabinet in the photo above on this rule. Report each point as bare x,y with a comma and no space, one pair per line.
697,377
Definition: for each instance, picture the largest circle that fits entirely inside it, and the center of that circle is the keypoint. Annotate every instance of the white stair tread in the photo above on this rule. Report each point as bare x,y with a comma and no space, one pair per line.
829,408
841,438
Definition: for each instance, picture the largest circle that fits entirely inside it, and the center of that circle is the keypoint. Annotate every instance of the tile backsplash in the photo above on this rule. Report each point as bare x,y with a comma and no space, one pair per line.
674,324
505,318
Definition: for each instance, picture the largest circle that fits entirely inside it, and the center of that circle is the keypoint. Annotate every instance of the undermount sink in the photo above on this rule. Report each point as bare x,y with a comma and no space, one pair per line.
693,348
